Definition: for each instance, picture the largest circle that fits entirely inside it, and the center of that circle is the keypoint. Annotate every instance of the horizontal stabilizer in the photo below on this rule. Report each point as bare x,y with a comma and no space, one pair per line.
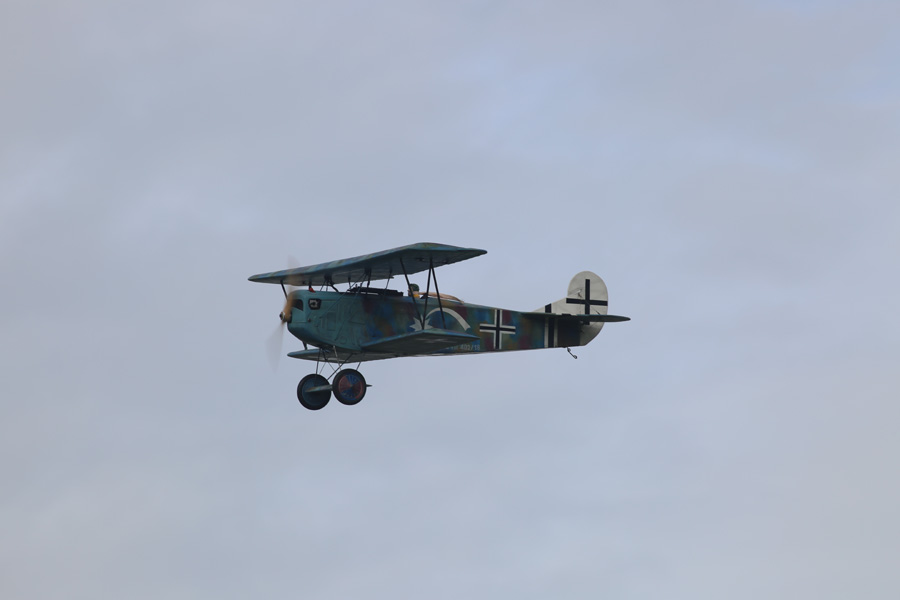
592,318
424,341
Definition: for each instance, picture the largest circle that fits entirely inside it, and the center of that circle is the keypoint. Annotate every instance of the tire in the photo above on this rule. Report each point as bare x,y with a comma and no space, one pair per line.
313,400
349,387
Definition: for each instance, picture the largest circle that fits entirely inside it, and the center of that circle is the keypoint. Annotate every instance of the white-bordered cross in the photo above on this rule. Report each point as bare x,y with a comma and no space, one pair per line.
498,329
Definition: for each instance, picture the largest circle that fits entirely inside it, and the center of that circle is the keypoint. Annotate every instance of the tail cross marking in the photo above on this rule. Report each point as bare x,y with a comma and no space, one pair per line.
587,299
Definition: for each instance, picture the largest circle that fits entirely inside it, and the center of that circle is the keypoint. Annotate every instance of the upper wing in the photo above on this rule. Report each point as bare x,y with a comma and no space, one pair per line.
380,265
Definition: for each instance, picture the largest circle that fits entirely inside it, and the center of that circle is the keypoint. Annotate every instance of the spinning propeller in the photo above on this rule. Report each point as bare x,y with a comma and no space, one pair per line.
276,339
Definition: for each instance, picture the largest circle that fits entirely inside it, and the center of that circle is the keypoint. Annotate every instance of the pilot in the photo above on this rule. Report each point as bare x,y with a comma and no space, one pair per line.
414,293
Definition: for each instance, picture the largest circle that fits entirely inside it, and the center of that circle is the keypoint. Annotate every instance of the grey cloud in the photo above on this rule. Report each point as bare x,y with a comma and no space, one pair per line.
725,167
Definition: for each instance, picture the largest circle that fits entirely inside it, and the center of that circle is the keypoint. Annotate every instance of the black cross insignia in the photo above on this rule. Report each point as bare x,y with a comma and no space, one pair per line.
587,299
498,329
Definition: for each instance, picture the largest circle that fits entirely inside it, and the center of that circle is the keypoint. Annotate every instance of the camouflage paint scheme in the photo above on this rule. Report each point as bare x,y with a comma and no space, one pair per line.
365,323
348,322
386,264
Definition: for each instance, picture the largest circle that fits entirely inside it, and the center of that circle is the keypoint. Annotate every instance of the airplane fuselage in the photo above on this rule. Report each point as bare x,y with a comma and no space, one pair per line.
350,321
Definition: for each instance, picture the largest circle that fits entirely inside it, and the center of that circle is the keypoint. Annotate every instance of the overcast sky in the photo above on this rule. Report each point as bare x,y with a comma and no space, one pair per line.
729,168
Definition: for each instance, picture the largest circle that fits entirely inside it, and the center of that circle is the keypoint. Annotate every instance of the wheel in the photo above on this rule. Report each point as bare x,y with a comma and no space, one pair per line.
349,386
310,398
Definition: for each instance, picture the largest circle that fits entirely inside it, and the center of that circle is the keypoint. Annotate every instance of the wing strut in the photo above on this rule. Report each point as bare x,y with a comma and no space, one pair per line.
427,291
432,274
438,292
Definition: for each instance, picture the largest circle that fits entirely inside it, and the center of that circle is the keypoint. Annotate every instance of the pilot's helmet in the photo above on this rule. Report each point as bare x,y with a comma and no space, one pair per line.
414,290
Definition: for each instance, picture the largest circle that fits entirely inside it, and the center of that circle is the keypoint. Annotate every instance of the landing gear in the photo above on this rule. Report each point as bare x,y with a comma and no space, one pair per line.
349,386
314,392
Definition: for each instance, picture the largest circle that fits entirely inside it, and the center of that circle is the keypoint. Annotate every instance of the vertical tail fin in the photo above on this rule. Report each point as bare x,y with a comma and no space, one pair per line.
587,295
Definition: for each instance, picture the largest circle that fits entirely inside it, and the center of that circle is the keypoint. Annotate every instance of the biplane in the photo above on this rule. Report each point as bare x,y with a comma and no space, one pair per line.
362,323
